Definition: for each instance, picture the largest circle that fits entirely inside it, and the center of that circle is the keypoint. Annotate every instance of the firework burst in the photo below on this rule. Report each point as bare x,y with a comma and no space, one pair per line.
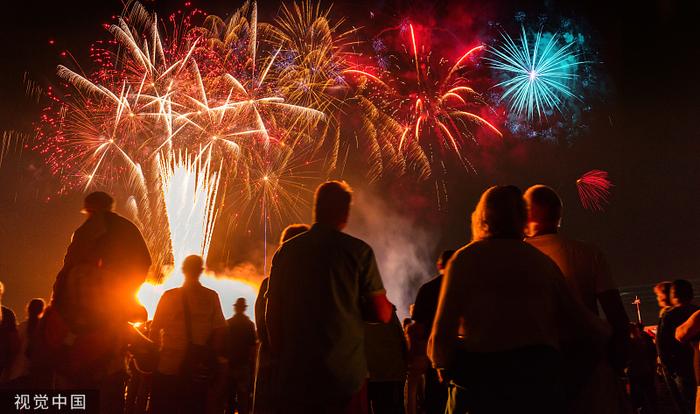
594,189
538,72
422,102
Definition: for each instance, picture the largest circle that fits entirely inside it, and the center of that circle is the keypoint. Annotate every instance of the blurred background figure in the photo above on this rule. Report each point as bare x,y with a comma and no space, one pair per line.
677,357
9,338
261,397
242,347
642,371
385,347
662,290
28,331
420,371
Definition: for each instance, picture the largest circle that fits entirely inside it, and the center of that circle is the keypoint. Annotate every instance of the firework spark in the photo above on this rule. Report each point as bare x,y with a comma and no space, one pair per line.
421,102
190,189
538,72
594,189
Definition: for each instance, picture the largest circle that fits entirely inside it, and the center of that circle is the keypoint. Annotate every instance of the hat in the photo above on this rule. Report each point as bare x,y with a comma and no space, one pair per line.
240,303
97,201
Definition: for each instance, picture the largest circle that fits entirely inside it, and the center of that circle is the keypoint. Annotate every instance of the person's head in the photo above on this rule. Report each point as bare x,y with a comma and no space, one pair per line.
97,202
332,204
293,230
681,292
500,214
2,290
35,308
544,209
240,306
663,294
443,259
192,267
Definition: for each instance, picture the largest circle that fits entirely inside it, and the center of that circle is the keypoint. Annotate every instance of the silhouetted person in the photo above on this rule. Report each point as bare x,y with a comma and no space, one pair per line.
261,399
110,251
689,332
190,329
322,283
424,309
9,338
662,290
588,275
242,344
676,357
503,315
385,347
28,333
642,370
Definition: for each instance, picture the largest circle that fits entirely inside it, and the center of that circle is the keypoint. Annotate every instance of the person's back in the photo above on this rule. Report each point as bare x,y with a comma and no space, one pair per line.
241,339
322,335
530,292
204,314
504,315
582,264
321,282
189,328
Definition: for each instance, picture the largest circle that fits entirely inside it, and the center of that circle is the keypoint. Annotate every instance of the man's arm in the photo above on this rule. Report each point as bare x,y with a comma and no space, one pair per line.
443,339
690,329
372,289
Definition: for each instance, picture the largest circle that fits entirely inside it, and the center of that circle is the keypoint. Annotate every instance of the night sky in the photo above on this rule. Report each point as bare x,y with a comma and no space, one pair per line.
645,133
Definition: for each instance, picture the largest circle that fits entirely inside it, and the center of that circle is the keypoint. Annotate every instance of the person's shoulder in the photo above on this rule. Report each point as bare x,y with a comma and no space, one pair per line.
433,283
8,311
211,293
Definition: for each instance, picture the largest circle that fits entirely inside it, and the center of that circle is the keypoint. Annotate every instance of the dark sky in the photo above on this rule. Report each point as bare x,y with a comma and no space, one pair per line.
646,134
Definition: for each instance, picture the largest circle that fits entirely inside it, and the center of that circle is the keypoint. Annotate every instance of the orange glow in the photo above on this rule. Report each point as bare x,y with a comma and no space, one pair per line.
228,287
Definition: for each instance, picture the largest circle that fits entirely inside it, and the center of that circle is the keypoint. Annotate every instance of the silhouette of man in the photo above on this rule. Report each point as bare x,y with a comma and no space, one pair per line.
9,338
321,284
187,319
677,357
424,309
588,275
111,251
241,357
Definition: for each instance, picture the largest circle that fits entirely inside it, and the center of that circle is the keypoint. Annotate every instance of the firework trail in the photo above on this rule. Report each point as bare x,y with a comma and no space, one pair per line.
594,190
205,87
421,102
189,190
538,72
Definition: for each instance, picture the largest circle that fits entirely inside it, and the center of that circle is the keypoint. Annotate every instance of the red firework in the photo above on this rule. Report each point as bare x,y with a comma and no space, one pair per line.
594,189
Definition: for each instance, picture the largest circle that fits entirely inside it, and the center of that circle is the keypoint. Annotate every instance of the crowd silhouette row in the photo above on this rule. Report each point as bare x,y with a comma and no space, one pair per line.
511,323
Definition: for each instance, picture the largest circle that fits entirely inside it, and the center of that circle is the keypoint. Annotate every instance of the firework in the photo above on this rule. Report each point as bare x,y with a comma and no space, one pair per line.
420,100
538,72
217,91
189,190
594,189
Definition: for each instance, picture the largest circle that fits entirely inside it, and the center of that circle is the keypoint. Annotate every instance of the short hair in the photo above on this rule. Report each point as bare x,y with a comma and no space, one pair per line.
193,264
500,213
547,202
98,201
35,306
663,287
293,230
682,290
444,258
332,202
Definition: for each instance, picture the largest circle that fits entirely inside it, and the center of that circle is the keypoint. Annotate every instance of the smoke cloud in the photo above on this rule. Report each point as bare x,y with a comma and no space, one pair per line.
403,247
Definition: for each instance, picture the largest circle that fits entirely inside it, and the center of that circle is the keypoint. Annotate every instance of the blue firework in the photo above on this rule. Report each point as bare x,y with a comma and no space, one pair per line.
538,74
